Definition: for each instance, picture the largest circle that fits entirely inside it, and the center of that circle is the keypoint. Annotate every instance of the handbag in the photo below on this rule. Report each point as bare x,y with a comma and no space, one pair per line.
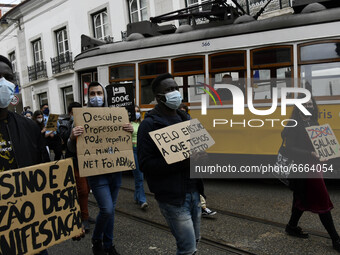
283,164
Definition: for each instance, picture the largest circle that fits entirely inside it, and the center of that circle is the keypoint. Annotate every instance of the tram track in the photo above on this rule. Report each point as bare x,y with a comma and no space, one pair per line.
250,218
215,244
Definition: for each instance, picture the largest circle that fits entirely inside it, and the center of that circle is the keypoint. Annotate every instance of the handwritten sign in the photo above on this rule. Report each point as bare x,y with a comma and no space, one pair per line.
122,95
179,141
52,123
38,207
104,147
324,141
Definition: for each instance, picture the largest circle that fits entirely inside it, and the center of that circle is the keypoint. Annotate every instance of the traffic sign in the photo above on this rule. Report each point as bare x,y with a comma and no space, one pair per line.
15,100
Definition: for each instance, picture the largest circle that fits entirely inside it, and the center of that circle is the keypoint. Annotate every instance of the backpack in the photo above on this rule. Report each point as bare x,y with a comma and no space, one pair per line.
65,128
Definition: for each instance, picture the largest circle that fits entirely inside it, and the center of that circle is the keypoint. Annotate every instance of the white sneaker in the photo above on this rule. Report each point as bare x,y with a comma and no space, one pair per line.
206,212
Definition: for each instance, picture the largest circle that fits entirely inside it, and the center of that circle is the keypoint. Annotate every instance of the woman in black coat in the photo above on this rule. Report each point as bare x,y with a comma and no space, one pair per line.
309,192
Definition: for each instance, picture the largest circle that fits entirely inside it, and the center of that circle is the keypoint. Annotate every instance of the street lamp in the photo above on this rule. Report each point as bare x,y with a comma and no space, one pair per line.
4,22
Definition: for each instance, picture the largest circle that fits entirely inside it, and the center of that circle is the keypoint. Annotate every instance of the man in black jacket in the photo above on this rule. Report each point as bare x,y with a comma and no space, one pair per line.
21,143
176,194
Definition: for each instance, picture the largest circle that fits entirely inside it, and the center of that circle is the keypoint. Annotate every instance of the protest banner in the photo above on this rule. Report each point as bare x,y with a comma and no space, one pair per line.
52,123
104,147
122,95
324,141
38,207
178,142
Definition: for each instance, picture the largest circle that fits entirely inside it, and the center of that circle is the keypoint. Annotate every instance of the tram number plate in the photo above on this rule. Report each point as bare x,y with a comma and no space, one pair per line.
206,44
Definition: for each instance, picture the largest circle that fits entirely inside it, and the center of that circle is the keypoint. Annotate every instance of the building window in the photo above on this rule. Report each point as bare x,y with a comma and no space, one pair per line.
63,61
37,51
228,68
271,67
38,70
147,72
319,65
101,24
43,99
138,10
68,97
62,41
13,60
191,3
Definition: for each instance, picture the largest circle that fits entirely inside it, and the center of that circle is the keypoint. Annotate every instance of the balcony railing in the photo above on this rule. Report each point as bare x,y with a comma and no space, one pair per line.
37,71
62,63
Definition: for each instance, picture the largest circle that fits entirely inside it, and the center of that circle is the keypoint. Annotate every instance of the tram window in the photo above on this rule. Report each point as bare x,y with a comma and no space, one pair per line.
319,67
228,60
147,96
265,79
153,68
321,79
147,72
320,51
272,56
123,72
190,88
188,65
230,78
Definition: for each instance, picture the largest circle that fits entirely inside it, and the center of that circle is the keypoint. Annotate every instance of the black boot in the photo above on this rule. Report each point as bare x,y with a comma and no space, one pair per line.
336,245
112,251
97,247
296,231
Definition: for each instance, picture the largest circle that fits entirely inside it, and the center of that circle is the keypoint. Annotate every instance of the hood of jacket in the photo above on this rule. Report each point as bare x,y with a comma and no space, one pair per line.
157,116
105,98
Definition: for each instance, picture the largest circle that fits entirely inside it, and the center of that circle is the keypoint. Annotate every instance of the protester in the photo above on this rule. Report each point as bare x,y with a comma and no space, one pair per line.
20,138
309,194
105,187
139,195
83,189
177,195
53,138
38,119
27,109
206,212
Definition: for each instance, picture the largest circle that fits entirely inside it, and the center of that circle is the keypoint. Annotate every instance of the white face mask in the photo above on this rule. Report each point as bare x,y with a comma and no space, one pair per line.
6,92
39,120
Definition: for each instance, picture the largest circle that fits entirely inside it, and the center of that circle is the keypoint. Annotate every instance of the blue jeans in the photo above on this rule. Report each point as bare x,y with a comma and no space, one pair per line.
184,222
139,196
105,189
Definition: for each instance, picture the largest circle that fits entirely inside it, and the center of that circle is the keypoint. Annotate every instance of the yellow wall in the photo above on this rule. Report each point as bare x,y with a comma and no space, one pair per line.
264,140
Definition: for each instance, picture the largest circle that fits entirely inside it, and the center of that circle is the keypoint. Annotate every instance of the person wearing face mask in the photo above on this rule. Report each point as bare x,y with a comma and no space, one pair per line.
309,194
177,195
21,142
54,141
104,187
39,120
139,195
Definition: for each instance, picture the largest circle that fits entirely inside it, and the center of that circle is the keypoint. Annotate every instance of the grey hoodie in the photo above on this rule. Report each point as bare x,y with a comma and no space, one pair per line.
105,98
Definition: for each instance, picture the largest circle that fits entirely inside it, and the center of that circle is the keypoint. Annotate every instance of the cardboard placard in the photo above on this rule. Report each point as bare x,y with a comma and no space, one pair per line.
104,147
177,142
122,95
324,141
38,207
52,122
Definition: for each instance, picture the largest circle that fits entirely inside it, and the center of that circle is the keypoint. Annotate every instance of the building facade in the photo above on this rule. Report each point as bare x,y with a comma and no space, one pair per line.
43,37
